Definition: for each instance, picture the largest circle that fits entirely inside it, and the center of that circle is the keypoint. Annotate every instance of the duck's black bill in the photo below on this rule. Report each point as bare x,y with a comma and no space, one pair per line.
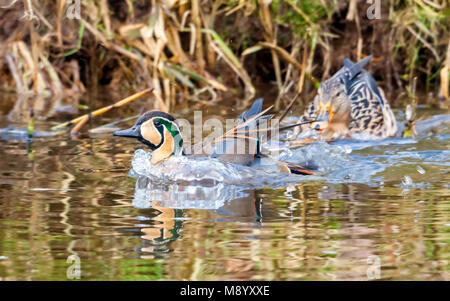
130,133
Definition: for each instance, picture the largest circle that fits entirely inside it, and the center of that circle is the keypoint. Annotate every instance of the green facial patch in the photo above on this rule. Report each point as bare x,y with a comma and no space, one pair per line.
174,131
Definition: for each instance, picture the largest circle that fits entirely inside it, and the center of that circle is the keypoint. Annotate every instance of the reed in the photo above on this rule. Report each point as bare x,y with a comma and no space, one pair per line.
199,50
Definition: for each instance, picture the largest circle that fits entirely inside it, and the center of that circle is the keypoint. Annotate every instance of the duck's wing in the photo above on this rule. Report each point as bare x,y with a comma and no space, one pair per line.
309,114
254,110
267,163
371,113
299,169
350,70
242,143
238,143
390,129
370,82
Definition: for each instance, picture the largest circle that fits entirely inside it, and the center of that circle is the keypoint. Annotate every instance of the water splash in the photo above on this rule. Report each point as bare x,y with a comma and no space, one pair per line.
407,181
183,196
207,172
407,184
420,170
334,164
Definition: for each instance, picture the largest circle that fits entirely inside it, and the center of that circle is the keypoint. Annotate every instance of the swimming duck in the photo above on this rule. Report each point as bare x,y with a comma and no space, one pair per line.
161,133
350,102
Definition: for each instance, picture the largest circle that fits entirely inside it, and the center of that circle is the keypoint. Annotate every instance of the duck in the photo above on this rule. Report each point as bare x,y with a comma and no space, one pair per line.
348,103
161,133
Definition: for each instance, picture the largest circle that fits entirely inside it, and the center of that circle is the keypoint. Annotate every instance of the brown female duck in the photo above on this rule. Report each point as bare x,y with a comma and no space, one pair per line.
350,102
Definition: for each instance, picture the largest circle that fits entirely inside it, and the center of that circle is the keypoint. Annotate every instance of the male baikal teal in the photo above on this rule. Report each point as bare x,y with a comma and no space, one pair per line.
161,133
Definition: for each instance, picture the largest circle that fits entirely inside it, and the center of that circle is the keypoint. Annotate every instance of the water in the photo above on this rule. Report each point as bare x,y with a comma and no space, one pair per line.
372,202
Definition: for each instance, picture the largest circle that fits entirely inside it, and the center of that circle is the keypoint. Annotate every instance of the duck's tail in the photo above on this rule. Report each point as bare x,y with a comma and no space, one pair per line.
300,169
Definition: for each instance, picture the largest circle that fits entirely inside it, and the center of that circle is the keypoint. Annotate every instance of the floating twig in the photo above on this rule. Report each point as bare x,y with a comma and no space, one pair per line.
444,75
111,124
103,110
76,129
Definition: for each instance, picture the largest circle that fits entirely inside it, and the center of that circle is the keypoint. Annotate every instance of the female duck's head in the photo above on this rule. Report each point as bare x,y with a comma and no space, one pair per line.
160,132
333,107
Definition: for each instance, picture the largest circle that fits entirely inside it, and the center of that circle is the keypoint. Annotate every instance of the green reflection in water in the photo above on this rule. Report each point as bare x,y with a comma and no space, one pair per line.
75,197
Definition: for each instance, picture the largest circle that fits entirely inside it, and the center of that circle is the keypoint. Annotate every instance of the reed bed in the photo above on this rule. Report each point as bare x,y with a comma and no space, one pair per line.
202,50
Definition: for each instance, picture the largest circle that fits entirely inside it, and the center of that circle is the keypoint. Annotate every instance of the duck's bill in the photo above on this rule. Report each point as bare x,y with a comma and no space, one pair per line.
321,123
130,133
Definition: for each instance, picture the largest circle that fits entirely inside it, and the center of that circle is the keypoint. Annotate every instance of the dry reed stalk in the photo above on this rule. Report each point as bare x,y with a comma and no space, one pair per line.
104,109
270,36
56,85
444,74
208,23
238,69
152,47
285,55
59,16
76,129
15,73
424,42
195,14
104,10
301,81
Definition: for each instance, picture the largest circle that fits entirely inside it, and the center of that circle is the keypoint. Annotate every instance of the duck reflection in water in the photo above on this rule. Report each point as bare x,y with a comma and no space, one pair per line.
224,200
171,200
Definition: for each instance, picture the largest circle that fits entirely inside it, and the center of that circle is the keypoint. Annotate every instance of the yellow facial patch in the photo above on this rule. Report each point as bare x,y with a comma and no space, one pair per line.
150,133
165,150
323,109
326,108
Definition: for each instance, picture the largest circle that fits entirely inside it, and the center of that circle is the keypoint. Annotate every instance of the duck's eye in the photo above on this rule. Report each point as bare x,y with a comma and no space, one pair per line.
157,123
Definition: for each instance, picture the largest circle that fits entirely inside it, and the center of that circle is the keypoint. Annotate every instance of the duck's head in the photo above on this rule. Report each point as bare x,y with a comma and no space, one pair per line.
159,131
333,107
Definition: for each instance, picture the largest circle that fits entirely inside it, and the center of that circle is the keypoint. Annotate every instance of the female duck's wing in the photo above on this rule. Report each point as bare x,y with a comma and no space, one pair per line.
371,113
350,70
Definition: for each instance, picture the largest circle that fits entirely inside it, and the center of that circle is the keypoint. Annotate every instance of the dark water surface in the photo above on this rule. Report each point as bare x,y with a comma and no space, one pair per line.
385,202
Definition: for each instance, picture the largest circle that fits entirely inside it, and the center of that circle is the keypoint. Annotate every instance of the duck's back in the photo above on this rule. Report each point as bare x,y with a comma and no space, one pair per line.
371,113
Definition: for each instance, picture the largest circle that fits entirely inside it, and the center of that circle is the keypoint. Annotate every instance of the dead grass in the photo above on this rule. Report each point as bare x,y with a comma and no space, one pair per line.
201,50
